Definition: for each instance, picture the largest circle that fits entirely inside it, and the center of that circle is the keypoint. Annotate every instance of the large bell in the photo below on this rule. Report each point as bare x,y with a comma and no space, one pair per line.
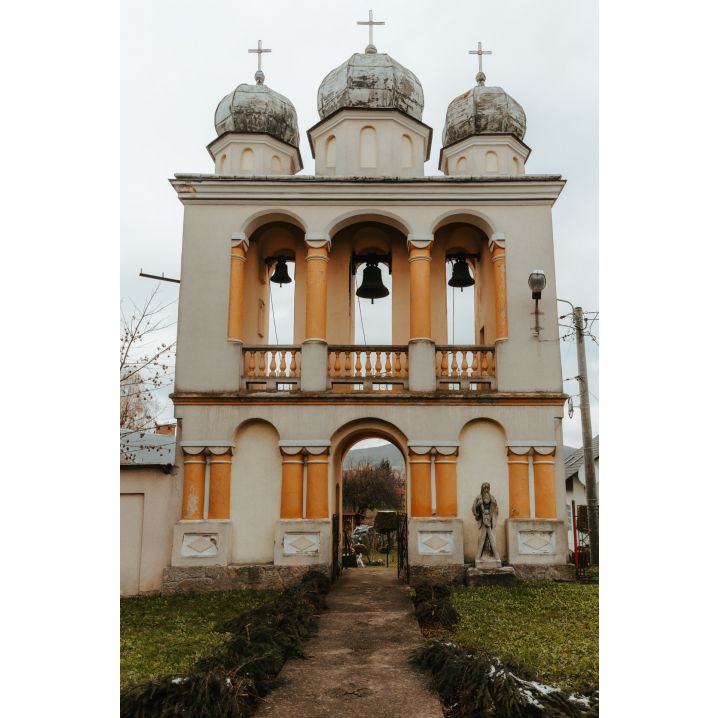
372,287
460,275
281,275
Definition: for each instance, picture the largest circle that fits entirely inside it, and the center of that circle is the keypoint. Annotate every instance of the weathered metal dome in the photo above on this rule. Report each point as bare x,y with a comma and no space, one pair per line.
371,80
483,111
259,109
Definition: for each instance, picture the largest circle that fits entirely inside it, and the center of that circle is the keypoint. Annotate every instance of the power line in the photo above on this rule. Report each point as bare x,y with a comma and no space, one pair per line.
360,314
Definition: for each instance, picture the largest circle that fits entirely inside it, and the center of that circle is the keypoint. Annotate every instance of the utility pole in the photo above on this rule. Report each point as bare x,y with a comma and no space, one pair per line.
588,462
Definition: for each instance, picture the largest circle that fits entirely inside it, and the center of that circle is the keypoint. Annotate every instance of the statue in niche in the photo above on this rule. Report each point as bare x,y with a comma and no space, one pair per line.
486,513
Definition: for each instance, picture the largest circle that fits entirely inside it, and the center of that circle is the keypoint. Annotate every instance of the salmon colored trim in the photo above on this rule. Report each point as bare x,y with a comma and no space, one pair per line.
292,489
318,486
420,292
445,478
519,496
420,487
220,480
236,294
193,490
317,270
499,262
545,487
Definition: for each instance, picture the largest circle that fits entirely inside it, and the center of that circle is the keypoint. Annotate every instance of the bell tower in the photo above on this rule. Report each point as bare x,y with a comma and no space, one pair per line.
264,428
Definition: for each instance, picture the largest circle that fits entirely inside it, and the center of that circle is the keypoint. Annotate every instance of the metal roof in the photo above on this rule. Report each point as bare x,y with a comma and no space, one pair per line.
574,462
145,448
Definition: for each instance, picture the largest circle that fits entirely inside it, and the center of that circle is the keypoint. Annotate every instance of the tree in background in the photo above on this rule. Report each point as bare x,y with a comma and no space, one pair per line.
368,485
146,364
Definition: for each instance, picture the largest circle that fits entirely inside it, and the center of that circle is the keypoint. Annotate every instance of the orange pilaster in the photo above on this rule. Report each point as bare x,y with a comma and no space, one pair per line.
544,486
420,292
193,493
220,477
420,477
292,485
317,261
236,294
318,486
519,501
499,261
445,477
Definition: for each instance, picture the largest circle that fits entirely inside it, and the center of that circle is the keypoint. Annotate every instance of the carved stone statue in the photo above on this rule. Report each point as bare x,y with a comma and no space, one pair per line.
486,513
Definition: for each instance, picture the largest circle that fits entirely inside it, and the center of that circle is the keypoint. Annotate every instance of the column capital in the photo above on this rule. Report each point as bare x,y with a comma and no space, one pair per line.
208,447
442,448
240,238
318,239
498,239
315,447
419,241
521,448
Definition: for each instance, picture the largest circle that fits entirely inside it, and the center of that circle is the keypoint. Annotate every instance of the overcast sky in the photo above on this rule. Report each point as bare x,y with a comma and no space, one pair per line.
180,58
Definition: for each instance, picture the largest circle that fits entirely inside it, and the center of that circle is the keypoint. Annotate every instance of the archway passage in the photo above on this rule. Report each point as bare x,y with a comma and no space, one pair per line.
373,495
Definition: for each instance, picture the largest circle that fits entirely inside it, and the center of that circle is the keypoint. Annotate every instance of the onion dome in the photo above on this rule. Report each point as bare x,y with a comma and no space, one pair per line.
258,109
371,80
483,111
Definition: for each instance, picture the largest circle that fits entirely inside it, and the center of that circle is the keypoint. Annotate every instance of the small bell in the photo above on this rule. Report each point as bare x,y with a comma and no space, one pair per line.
372,287
460,275
281,275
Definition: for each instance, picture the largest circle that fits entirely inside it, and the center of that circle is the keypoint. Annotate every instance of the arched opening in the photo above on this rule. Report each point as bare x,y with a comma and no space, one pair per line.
222,165
276,165
461,166
367,147
247,160
492,162
373,480
330,152
407,152
460,304
516,169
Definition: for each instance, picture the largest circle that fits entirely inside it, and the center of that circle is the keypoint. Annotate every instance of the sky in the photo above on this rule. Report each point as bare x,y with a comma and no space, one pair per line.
179,59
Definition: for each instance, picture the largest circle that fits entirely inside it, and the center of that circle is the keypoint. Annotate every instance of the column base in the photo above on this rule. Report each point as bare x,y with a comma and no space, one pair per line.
536,541
202,543
301,542
436,541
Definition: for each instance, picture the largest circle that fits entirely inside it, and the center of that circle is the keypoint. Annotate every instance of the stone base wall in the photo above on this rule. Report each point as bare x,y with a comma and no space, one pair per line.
547,572
440,574
260,577
457,574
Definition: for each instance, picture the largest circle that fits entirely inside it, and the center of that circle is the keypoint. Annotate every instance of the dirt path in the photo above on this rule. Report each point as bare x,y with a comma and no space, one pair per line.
359,664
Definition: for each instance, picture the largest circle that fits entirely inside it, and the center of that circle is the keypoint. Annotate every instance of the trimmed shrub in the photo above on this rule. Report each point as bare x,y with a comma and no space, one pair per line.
230,683
432,605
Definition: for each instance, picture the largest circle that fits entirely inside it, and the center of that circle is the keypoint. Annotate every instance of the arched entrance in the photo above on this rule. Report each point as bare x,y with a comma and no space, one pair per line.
371,487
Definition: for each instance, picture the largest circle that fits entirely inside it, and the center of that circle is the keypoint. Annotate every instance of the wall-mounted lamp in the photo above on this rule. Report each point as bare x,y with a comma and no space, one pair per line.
537,283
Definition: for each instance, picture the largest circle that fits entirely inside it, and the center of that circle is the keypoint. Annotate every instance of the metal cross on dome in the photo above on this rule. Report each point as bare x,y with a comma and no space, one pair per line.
371,24
259,52
480,52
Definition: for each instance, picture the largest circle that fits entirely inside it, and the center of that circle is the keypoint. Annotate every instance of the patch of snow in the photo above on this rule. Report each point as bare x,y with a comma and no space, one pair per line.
178,680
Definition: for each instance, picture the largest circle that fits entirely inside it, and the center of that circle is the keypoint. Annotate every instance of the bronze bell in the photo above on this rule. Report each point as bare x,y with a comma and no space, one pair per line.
372,287
281,275
460,275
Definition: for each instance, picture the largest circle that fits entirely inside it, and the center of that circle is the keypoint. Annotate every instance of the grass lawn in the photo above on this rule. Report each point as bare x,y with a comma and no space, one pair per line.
551,628
167,635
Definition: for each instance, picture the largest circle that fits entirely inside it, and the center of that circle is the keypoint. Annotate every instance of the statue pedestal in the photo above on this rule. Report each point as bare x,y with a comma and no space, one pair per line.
301,542
505,576
436,541
536,541
488,563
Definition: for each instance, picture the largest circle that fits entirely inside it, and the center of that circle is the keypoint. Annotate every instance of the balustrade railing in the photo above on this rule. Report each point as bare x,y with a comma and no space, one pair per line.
268,364
465,365
353,364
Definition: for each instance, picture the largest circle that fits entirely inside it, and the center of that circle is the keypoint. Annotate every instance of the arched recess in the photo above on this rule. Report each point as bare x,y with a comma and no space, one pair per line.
367,147
355,431
492,162
468,216
461,166
482,458
330,152
256,491
407,152
247,160
276,165
223,165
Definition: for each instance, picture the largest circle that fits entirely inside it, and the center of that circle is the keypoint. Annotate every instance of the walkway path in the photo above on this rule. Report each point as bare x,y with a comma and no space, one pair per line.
359,661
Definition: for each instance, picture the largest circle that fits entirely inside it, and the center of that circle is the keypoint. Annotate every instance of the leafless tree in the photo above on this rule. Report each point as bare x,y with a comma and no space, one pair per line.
146,363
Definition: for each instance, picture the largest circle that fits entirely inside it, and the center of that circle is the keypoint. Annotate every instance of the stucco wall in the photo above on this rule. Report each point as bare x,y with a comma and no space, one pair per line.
255,492
161,505
482,457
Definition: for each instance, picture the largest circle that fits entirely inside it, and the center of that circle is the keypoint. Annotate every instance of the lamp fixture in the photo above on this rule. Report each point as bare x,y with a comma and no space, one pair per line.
537,283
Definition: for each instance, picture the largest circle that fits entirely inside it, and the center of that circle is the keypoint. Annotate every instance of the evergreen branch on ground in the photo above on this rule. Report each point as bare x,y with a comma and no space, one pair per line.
232,682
